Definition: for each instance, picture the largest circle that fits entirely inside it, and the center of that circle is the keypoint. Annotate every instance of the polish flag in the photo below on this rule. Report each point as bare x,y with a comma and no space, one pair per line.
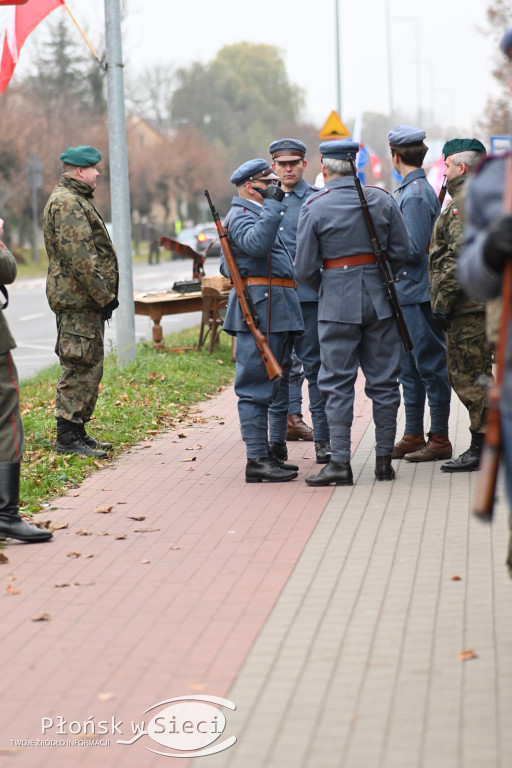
22,20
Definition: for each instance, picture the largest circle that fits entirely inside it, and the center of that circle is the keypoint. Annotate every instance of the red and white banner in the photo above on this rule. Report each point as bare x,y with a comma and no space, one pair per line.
22,20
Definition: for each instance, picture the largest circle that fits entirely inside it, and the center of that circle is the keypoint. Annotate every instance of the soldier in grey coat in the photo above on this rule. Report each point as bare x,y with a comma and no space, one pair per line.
266,268
356,325
81,287
11,427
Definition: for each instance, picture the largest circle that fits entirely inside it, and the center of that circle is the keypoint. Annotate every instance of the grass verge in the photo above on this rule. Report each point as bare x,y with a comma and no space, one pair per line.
151,394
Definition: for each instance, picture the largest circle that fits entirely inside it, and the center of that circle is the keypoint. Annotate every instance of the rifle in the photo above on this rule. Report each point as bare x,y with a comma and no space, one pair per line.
442,192
274,370
185,250
385,273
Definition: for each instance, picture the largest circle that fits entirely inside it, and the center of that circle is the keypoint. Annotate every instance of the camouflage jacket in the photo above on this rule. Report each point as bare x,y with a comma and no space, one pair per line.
83,274
446,295
8,271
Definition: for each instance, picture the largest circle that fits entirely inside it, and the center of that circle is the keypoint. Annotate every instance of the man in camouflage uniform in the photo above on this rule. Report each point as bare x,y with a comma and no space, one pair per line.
462,318
81,287
11,427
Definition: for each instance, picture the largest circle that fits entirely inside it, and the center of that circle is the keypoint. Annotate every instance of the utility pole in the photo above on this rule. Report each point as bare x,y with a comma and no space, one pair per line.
35,182
338,57
119,184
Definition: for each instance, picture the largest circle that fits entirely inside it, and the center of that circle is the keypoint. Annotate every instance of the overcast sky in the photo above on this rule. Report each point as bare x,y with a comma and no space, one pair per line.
438,58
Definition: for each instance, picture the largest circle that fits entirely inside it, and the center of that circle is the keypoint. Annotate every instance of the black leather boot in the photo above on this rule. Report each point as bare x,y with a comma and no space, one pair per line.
339,473
470,459
278,452
264,468
91,442
383,468
69,440
322,451
12,524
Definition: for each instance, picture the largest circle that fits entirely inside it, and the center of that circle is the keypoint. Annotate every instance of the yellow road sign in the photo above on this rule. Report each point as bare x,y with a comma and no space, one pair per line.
333,128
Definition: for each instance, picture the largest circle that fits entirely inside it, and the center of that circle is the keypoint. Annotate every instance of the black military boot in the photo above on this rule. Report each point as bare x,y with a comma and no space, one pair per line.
91,442
69,440
12,524
278,452
265,468
470,459
383,468
336,472
322,451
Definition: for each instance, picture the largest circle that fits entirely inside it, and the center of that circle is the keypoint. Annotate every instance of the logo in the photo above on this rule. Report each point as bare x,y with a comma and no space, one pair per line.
190,724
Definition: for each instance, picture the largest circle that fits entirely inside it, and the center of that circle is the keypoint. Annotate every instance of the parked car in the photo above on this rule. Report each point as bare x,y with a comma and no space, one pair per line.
208,242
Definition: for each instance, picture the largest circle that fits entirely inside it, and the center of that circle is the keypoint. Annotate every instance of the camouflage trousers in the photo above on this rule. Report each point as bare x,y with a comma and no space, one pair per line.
469,357
11,427
80,347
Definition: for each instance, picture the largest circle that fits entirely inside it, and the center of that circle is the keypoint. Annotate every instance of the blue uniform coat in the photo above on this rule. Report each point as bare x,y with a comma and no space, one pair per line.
419,205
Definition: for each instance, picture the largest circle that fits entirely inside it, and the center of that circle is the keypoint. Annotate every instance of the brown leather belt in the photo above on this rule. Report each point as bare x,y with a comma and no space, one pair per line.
282,282
351,261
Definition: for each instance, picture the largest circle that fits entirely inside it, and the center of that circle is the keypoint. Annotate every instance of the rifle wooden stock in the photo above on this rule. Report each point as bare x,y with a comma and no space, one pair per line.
483,501
387,277
272,367
442,192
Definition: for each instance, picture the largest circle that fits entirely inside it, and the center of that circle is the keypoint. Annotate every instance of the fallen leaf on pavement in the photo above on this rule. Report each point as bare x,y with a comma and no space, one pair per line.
103,510
192,458
41,617
12,590
83,532
74,554
456,578
59,526
3,558
467,655
106,696
139,518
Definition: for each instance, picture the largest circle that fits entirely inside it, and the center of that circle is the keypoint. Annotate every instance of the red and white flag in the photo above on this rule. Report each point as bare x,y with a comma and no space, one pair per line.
22,20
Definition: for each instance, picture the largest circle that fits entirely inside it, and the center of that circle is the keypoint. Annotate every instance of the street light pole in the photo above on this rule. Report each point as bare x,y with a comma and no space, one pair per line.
390,67
119,185
338,57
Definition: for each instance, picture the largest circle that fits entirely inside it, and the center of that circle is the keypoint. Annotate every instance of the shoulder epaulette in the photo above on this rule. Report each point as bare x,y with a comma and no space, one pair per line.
316,197
374,186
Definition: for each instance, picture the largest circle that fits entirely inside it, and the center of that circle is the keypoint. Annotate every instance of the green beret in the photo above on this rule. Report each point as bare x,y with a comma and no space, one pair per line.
81,156
462,145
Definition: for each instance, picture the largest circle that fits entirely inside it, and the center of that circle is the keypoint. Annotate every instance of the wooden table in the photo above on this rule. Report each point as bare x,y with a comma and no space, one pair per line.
155,304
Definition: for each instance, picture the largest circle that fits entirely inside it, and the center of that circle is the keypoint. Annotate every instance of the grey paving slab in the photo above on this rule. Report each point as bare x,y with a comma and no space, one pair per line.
358,664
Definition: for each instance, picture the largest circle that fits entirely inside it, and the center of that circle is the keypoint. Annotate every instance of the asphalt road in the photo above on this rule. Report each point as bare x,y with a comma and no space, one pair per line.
33,323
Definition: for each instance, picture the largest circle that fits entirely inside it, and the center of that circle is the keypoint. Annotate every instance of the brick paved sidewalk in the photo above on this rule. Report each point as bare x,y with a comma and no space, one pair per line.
328,616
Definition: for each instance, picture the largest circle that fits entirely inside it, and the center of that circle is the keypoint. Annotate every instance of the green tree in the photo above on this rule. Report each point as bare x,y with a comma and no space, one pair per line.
239,101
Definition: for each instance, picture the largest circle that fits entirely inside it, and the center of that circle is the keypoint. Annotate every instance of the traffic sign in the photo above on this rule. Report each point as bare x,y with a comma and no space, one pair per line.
333,128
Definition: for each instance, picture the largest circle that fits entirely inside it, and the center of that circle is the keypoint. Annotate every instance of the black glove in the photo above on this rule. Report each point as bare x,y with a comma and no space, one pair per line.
272,192
442,320
498,243
106,312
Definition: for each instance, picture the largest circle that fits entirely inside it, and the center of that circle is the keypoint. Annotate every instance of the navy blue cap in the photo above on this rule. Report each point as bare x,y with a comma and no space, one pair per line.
252,170
339,150
506,43
404,134
287,149
82,157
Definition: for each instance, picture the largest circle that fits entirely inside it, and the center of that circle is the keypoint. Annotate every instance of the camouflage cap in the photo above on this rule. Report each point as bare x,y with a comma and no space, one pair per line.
462,145
82,156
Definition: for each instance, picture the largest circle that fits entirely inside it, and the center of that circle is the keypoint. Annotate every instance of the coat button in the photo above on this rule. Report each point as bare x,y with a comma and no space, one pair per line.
282,213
